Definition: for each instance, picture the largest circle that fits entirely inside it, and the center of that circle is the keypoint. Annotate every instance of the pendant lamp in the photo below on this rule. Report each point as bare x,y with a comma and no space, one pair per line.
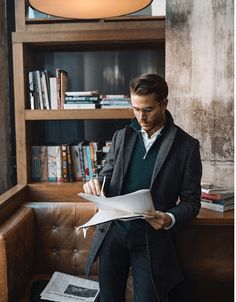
88,9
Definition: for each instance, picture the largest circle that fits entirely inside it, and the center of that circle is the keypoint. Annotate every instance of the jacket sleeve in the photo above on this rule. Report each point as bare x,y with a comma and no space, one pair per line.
110,160
190,191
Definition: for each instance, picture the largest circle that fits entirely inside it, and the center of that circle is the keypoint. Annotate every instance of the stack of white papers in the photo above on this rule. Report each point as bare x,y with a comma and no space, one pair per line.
129,206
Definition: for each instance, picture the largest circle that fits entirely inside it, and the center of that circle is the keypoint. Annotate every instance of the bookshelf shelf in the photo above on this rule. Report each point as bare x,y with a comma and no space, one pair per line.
77,114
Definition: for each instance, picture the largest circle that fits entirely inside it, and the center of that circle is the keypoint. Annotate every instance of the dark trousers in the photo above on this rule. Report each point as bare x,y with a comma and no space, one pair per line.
125,247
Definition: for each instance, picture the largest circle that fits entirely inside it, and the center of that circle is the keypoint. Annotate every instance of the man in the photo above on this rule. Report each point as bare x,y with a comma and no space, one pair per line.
152,153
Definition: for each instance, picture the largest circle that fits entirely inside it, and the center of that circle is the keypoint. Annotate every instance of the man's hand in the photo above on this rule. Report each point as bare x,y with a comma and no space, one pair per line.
93,187
158,220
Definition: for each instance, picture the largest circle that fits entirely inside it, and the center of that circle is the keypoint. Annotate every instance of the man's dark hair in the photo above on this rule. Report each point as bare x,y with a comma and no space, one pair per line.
149,83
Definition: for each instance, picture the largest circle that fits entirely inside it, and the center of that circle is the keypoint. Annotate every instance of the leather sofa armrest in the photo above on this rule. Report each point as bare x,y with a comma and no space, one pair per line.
16,253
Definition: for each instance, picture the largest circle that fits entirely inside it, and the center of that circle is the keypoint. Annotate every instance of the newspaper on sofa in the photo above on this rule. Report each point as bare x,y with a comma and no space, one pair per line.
67,288
128,206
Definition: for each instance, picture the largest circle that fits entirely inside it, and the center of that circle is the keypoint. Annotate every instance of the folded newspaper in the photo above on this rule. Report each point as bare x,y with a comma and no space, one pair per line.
67,288
128,206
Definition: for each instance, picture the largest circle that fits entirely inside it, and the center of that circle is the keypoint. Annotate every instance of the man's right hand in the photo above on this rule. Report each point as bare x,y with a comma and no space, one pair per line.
93,187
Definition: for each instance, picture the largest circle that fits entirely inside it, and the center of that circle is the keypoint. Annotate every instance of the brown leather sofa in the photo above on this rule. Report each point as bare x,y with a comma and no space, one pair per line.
40,238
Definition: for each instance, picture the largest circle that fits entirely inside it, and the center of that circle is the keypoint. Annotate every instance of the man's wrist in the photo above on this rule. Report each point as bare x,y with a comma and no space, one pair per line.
172,217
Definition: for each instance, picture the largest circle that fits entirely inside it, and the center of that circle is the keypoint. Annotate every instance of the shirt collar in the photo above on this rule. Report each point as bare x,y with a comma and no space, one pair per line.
154,135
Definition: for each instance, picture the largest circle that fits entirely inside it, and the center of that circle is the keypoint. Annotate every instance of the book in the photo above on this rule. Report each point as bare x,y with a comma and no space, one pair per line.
38,87
76,162
216,207
39,163
80,106
210,188
31,91
64,288
64,84
114,96
220,201
82,99
71,176
217,196
81,156
81,93
53,92
52,163
115,106
64,160
61,83
45,91
59,163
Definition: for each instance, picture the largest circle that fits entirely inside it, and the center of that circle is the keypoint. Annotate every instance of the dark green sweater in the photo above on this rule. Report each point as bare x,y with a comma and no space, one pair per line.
141,166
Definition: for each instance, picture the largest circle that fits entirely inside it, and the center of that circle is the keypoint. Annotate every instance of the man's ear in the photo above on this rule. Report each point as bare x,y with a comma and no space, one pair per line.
164,103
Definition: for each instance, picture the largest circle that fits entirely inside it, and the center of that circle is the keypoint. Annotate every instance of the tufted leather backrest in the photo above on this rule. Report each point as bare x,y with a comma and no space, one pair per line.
59,244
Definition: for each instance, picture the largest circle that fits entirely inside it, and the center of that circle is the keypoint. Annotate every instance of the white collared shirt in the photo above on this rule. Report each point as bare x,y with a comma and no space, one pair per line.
148,142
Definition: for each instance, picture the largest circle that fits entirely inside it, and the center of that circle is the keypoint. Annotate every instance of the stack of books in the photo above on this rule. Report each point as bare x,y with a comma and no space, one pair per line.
115,101
216,198
81,100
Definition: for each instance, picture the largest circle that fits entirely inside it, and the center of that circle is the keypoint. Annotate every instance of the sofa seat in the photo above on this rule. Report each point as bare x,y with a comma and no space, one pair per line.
39,239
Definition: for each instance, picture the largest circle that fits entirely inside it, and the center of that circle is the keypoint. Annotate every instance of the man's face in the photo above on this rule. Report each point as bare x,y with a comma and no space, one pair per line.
149,112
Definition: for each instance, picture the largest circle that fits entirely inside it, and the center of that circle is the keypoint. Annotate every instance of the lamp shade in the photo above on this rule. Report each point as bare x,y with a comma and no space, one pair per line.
88,9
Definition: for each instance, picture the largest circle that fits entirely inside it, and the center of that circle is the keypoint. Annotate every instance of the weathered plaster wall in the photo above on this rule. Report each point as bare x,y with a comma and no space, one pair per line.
199,71
5,145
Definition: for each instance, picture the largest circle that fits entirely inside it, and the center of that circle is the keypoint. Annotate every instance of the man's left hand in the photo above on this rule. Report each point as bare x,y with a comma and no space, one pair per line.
158,220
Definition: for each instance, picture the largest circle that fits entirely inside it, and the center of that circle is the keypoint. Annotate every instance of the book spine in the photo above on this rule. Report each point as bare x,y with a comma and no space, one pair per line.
212,206
43,163
39,88
71,176
35,151
114,96
81,157
53,92
31,91
81,93
76,162
59,163
64,83
79,106
86,167
64,160
75,99
52,163
45,91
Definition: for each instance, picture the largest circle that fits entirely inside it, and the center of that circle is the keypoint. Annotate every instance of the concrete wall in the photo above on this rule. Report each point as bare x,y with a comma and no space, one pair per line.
199,71
5,143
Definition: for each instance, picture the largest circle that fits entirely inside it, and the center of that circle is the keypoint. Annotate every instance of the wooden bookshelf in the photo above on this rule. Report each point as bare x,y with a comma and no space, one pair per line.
35,39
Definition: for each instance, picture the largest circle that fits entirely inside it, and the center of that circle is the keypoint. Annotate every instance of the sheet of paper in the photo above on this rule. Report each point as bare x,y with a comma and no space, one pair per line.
127,206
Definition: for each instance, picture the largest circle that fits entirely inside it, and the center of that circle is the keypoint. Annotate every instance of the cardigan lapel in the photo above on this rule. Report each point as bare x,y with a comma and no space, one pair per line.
128,148
163,152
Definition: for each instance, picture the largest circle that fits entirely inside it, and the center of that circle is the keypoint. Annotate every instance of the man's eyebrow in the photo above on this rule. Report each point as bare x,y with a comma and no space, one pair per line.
150,107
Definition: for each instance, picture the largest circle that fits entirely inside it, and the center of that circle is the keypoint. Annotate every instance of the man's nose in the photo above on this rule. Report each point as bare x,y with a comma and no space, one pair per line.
142,115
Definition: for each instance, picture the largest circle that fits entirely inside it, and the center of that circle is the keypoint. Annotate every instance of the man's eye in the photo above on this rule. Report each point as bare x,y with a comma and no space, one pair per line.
147,110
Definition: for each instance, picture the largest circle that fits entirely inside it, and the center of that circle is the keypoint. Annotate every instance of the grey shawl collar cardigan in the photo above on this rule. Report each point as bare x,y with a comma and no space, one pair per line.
175,187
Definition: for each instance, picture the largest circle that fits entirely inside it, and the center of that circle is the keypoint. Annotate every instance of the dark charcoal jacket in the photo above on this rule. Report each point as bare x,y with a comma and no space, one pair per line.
175,187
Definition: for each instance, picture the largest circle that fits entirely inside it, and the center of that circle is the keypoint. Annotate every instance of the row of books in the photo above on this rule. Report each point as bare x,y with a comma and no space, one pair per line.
65,163
217,198
49,92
